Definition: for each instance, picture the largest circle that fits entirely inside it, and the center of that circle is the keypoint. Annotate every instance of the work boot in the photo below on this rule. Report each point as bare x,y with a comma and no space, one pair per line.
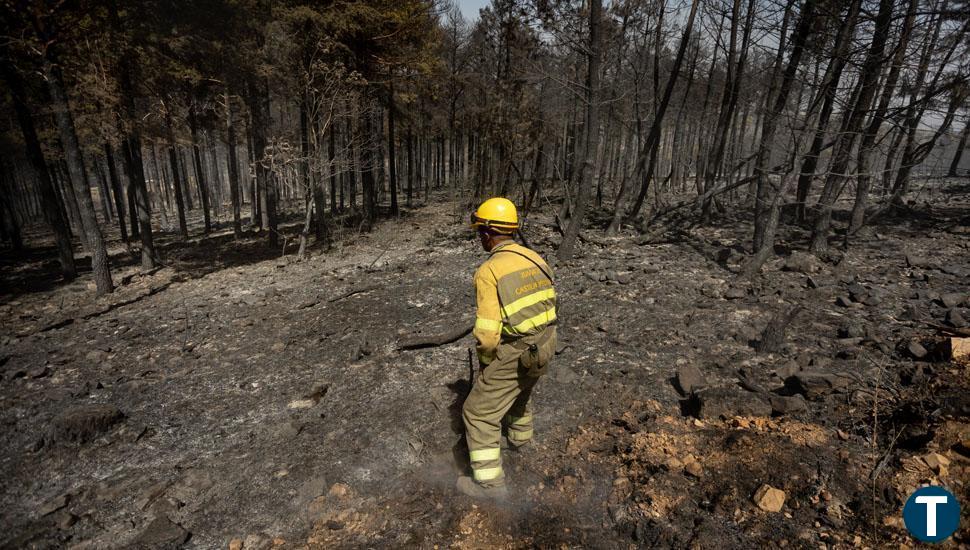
510,445
467,485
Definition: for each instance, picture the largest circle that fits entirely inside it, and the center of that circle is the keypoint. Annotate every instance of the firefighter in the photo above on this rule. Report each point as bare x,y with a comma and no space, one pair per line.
515,330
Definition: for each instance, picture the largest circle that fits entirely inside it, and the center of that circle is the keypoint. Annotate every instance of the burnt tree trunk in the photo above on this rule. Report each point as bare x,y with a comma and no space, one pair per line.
845,141
868,145
768,194
200,173
176,174
830,84
116,188
648,154
391,147
78,175
955,164
265,186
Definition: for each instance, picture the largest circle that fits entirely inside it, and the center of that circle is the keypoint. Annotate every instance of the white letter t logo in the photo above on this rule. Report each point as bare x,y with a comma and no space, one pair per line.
930,503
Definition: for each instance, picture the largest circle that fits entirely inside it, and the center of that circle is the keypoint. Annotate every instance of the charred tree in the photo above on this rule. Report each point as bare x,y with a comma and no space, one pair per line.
846,139
77,171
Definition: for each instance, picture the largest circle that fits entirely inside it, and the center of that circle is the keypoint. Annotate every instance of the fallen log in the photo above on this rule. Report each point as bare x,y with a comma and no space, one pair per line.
437,340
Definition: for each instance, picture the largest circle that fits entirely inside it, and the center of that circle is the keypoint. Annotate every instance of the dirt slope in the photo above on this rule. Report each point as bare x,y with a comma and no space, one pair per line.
246,396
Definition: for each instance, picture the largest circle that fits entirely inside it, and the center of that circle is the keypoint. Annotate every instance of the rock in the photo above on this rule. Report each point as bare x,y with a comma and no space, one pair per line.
769,499
843,301
39,371
735,293
858,292
872,300
787,369
54,505
936,461
852,330
916,350
726,401
66,521
782,404
814,385
563,374
308,303
150,494
711,291
301,404
96,356
83,423
624,278
309,490
339,490
360,350
689,379
812,282
955,319
801,262
694,469
914,260
952,299
746,334
160,534
236,544
956,270
912,313
673,464
257,542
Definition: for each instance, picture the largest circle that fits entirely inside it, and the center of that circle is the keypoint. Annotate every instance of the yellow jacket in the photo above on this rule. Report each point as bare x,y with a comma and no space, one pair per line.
515,297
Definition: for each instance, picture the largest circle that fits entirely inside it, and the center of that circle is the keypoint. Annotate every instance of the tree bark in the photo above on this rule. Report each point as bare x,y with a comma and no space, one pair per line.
392,168
176,174
78,174
116,188
233,169
200,173
258,99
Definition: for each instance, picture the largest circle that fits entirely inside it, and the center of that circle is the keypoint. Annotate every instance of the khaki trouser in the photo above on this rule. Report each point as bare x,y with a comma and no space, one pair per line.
501,395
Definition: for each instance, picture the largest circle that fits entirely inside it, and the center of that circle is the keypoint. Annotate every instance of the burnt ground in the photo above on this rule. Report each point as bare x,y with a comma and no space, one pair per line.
237,397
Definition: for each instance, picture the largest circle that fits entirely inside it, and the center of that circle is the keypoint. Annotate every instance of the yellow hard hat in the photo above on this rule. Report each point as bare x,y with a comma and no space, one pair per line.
497,214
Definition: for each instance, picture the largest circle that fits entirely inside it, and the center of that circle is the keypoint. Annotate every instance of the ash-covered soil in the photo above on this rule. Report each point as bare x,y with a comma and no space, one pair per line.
236,398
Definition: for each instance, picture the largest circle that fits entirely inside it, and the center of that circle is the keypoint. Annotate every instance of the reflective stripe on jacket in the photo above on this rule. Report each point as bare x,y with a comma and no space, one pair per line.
515,297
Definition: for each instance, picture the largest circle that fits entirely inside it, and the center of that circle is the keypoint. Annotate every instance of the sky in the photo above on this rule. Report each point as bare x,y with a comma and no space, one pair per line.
469,8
